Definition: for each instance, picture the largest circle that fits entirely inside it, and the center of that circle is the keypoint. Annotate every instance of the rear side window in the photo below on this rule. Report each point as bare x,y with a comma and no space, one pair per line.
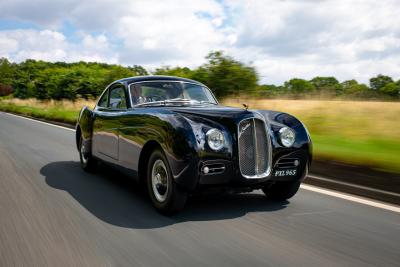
104,100
117,98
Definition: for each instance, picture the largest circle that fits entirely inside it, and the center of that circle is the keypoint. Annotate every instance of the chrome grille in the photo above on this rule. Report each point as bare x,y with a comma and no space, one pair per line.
254,149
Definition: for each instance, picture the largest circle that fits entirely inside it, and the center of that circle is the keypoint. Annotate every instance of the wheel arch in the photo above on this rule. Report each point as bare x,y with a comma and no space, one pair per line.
78,134
144,156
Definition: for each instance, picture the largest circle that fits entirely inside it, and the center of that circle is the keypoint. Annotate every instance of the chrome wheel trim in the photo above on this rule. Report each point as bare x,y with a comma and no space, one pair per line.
159,180
84,156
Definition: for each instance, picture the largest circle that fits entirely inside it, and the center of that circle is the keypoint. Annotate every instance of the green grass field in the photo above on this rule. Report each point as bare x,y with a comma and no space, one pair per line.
358,132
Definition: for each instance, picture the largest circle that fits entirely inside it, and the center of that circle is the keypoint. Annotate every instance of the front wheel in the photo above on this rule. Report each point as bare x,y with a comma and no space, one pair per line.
281,190
167,198
88,163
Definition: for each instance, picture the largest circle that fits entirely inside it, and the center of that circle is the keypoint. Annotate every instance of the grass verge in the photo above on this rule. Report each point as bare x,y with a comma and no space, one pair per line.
60,111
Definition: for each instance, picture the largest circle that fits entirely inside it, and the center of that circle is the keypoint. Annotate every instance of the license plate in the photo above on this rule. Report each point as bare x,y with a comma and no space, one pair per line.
290,172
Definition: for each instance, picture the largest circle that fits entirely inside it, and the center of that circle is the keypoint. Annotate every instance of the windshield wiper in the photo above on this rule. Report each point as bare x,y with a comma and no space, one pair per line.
153,103
189,101
179,101
174,101
207,102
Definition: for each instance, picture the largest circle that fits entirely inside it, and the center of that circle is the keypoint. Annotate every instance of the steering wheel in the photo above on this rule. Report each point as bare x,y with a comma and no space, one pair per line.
152,98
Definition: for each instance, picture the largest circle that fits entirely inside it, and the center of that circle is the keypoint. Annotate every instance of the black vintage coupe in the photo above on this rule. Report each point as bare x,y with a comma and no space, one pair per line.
172,134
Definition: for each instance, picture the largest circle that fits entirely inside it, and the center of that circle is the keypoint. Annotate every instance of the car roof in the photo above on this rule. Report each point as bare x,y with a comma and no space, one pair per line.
156,78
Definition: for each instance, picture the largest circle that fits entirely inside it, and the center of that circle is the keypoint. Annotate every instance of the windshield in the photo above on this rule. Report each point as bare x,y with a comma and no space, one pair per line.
170,92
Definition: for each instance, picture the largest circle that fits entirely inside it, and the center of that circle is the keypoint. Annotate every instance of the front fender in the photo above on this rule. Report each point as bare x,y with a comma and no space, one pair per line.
276,120
171,131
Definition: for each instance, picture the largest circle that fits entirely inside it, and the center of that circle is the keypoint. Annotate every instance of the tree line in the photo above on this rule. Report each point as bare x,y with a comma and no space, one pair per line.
223,74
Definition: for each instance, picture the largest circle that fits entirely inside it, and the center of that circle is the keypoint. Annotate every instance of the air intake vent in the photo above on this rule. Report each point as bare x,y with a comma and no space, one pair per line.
213,168
284,163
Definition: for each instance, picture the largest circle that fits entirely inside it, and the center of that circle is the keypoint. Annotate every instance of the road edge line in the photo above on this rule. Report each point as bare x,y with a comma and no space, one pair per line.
353,185
353,198
37,120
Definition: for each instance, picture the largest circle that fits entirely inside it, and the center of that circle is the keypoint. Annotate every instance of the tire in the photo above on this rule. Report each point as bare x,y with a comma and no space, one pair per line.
281,190
88,163
165,194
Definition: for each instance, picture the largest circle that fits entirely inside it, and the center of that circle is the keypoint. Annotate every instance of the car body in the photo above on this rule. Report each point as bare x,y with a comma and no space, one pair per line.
171,133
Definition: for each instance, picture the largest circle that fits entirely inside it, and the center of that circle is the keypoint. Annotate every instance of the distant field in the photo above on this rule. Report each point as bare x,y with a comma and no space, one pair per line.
366,133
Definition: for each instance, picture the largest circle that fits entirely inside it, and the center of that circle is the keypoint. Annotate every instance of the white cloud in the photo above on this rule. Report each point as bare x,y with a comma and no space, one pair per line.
282,39
53,46
346,39
7,46
156,33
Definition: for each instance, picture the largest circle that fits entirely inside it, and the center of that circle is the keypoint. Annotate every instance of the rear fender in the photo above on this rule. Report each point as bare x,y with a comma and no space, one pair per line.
84,127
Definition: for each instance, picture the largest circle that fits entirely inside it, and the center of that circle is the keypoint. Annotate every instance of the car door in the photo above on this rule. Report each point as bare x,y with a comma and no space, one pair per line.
106,124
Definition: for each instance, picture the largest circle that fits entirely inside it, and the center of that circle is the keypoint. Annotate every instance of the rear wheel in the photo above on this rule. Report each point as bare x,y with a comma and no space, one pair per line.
165,194
281,190
88,163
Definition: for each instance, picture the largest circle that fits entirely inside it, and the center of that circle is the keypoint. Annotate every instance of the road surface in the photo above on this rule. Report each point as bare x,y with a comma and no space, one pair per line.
53,213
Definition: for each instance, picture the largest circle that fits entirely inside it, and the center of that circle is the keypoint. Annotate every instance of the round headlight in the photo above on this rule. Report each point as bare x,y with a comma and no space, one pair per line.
287,136
215,139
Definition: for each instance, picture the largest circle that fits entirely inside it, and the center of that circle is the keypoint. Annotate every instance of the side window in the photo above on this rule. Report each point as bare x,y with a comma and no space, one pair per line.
104,100
117,98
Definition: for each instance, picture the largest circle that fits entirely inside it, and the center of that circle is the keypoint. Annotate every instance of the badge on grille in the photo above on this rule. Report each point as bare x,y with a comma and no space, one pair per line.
244,128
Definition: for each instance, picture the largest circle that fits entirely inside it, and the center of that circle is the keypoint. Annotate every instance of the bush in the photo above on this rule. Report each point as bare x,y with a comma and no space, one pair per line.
5,89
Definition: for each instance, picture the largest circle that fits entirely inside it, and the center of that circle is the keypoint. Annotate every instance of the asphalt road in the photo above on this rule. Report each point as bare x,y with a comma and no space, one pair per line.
53,213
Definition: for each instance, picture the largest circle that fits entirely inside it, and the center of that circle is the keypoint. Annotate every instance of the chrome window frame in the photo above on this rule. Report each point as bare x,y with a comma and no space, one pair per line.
107,89
176,81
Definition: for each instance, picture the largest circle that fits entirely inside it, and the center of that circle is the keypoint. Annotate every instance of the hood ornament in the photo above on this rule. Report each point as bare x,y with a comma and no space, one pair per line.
246,107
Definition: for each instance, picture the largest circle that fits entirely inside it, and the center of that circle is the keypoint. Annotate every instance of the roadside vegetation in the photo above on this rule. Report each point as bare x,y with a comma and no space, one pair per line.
226,76
348,121
65,111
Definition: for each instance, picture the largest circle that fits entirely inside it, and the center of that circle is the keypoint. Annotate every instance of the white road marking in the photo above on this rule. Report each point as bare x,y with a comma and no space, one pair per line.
355,186
46,123
332,193
352,198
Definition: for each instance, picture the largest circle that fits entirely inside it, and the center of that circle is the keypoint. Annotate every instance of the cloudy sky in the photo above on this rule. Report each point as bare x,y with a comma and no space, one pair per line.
281,38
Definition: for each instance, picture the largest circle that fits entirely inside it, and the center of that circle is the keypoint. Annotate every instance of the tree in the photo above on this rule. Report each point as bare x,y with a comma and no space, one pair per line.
299,86
6,72
327,84
391,89
352,87
176,71
5,89
223,74
116,73
379,82
226,76
269,90
138,70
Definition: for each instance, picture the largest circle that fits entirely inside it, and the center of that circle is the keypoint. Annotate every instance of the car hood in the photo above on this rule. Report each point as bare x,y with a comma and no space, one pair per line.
231,116
228,117
213,112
